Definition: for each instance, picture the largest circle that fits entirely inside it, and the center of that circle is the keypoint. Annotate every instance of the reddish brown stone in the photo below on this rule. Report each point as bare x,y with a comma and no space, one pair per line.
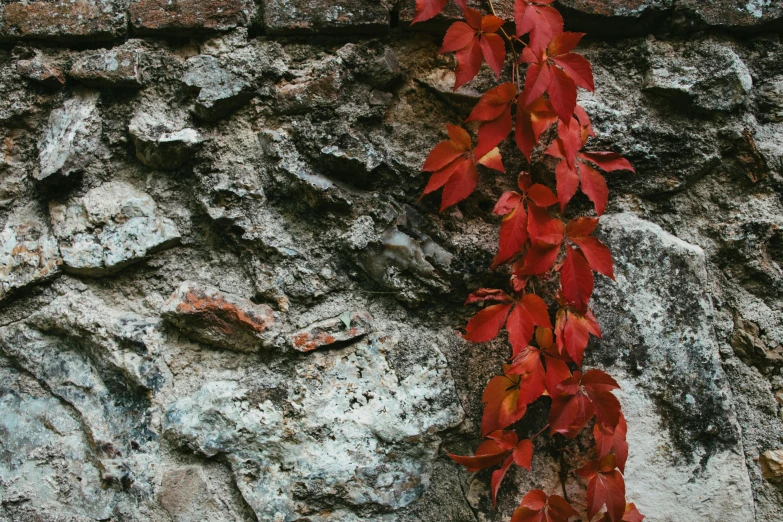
330,332
148,16
80,20
213,317
330,16
452,12
39,71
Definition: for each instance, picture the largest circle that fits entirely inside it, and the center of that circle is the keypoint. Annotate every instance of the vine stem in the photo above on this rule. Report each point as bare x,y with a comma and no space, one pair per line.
514,65
539,432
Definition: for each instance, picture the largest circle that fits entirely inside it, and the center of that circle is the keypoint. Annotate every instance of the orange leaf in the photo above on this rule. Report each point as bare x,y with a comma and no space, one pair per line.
485,325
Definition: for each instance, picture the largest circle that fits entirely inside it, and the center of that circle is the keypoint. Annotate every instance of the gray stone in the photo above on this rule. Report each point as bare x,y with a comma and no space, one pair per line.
117,67
110,227
28,251
379,433
72,137
161,141
657,328
331,332
221,319
186,495
709,75
220,91
729,13
36,69
338,16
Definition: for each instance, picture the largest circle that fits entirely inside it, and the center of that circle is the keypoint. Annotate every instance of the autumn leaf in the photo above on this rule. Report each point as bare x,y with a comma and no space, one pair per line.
520,316
606,488
494,111
501,446
531,121
554,69
612,440
453,167
474,41
572,332
536,506
536,17
426,9
501,407
579,398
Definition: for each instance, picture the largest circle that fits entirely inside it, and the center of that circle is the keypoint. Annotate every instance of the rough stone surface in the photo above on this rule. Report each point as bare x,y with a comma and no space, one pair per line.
66,20
332,332
108,68
213,317
161,142
110,227
37,70
269,157
339,16
72,137
189,16
28,251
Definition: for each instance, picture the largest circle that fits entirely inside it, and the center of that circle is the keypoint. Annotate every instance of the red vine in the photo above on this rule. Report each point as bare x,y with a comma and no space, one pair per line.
546,359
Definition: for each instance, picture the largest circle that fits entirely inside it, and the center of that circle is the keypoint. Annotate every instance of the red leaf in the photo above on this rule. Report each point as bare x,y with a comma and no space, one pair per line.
531,311
492,160
632,514
537,507
494,103
594,186
426,9
491,23
488,294
567,183
468,63
523,454
488,454
598,255
485,325
457,37
580,227
542,227
507,202
473,17
527,364
576,278
497,478
513,235
562,94
608,440
563,43
494,50
606,487
578,68
557,371
532,122
539,259
444,153
460,185
541,21
607,161
541,195
501,408
491,133
459,136
537,81
570,412
441,177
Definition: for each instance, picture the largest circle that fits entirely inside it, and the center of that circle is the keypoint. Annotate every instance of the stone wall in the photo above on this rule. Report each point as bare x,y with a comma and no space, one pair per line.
221,300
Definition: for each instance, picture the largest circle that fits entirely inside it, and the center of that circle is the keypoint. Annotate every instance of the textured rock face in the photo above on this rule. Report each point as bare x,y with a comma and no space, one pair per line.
72,137
80,20
111,226
222,299
224,320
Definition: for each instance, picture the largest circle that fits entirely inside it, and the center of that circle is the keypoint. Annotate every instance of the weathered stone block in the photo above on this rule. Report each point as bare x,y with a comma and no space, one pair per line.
78,21
220,91
189,16
118,67
36,69
28,251
334,16
218,318
72,137
748,14
110,227
162,143
332,332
